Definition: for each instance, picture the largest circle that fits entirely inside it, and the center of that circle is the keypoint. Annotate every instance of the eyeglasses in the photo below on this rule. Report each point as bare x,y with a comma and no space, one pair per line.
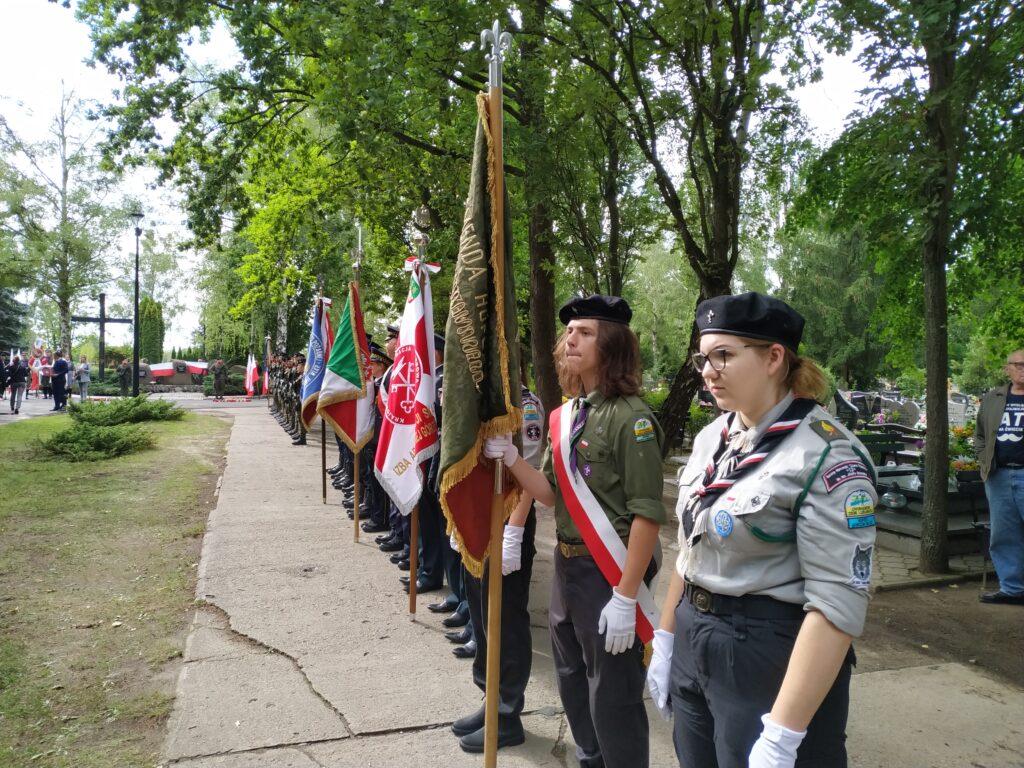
718,357
1018,366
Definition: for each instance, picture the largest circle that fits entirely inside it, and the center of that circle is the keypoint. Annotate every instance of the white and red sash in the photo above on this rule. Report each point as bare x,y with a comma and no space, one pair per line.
598,533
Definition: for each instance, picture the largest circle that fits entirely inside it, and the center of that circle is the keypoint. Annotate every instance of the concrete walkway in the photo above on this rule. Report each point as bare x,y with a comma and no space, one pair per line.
303,654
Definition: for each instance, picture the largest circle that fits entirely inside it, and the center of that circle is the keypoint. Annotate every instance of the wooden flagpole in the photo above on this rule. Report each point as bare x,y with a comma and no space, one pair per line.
494,41
355,496
356,266
323,429
414,545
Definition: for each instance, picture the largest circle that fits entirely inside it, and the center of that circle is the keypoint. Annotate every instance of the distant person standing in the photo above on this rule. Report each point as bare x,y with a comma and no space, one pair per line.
999,441
45,367
124,377
4,373
83,376
18,375
58,381
219,371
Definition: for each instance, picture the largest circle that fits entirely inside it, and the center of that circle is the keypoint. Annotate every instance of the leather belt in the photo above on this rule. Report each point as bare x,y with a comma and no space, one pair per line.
753,606
1012,466
579,549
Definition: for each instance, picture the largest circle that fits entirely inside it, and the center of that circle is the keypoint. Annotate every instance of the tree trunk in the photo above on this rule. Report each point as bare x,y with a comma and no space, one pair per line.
938,195
534,87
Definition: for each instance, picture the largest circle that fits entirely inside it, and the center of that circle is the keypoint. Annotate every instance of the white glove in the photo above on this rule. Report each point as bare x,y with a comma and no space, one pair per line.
618,623
776,747
512,549
502,448
658,671
453,541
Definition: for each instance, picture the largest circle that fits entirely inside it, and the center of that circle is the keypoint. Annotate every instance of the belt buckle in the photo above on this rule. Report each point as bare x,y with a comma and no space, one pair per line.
564,549
701,599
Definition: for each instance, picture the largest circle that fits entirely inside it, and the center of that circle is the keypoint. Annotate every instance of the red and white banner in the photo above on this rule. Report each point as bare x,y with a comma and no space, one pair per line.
598,533
196,367
251,375
159,370
408,435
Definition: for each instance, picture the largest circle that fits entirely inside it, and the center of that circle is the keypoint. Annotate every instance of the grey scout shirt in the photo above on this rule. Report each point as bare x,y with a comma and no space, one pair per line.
619,457
799,527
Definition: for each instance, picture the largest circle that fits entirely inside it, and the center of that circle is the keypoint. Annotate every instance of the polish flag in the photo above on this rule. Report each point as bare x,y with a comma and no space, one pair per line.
251,374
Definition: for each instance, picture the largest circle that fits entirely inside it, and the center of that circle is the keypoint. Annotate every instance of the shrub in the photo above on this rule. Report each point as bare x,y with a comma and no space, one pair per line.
698,418
89,442
127,410
108,388
655,398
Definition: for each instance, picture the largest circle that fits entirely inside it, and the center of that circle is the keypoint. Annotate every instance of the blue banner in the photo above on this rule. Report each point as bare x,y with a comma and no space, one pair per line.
316,364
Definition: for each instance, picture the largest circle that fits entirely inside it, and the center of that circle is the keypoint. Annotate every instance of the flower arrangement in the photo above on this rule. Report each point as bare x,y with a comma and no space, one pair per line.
961,448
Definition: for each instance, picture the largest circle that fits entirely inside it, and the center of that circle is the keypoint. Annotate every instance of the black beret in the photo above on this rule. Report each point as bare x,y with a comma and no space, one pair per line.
438,341
615,309
753,315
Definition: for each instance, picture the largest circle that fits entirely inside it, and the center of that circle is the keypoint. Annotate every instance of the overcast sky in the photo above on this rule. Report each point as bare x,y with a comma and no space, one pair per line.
42,49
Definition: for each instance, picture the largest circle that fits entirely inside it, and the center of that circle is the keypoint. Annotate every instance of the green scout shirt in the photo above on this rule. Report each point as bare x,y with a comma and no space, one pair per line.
621,444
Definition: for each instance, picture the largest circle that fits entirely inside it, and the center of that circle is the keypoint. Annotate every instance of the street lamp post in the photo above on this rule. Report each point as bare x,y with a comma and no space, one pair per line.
137,218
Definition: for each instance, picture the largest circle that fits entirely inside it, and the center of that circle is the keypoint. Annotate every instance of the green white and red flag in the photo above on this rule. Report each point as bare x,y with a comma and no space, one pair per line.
346,395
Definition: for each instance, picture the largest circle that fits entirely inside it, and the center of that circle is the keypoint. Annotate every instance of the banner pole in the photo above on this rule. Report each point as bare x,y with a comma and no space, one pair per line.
494,41
355,496
323,458
414,544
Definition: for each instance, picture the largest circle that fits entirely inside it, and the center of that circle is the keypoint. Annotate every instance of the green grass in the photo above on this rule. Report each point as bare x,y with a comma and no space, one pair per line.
97,579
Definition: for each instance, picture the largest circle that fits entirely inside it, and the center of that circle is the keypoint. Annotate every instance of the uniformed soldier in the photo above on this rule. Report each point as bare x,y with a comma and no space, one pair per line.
614,453
518,551
776,506
124,377
219,371
374,507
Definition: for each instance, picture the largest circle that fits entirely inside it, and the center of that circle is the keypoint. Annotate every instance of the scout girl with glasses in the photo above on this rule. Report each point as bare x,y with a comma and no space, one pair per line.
753,653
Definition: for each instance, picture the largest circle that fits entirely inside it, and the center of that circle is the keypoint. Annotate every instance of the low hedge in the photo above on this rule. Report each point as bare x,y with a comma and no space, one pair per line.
90,442
127,410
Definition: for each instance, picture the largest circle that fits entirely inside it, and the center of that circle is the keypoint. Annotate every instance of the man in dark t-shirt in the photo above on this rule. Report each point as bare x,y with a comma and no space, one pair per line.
999,440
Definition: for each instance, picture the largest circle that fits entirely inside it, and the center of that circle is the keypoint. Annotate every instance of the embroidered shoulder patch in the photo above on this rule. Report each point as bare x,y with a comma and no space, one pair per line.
843,472
827,430
530,412
643,430
860,567
860,510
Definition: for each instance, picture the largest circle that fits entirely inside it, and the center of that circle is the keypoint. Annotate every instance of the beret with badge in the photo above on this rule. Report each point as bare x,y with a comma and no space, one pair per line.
752,315
614,309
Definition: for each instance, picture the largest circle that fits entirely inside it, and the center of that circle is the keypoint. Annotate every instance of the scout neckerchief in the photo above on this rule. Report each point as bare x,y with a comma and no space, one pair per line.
599,535
727,466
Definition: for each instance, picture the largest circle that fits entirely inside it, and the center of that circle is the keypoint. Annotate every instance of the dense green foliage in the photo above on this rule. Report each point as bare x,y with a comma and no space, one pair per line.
127,410
151,330
90,442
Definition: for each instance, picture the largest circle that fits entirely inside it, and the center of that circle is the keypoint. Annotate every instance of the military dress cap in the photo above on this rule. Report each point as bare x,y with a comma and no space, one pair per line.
392,329
615,309
378,355
753,315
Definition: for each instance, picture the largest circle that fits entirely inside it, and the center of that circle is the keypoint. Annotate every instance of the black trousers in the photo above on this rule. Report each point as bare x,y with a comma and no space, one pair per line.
726,673
60,393
602,694
432,525
516,641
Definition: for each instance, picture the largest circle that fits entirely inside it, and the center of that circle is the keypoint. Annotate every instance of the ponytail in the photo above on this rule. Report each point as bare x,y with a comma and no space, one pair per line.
806,378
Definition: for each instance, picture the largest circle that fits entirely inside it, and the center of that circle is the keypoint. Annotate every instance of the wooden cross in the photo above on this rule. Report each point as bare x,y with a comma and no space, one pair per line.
102,320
